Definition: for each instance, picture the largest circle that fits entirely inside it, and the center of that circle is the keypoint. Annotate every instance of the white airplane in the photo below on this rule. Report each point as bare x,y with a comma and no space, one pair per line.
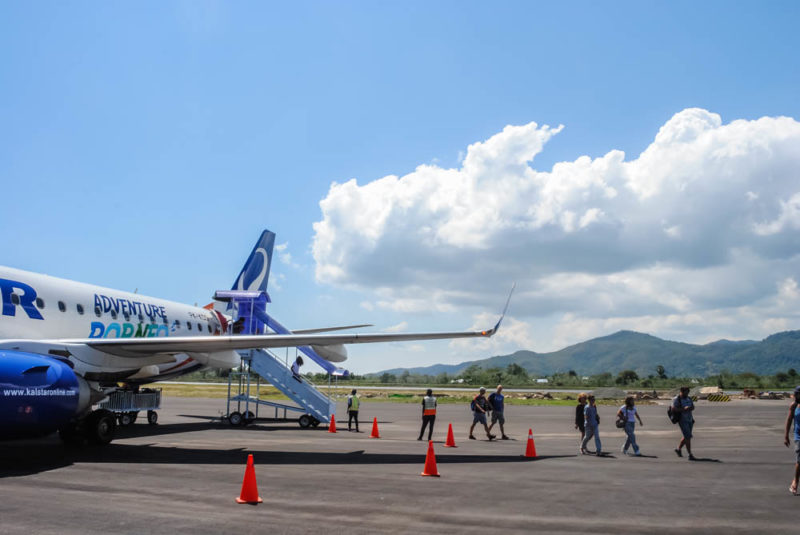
65,345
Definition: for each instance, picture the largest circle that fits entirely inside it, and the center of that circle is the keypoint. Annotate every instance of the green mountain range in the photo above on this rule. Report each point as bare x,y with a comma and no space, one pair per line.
629,350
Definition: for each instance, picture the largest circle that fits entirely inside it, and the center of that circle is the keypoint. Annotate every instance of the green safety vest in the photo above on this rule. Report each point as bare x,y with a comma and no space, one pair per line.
353,402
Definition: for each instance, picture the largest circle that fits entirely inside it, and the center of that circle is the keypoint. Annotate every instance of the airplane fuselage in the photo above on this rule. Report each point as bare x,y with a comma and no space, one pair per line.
39,308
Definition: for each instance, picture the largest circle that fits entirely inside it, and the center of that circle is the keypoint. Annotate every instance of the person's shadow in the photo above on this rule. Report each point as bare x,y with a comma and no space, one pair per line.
705,460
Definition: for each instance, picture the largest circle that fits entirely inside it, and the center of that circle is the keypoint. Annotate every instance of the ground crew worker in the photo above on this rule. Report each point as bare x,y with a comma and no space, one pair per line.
352,410
428,413
480,406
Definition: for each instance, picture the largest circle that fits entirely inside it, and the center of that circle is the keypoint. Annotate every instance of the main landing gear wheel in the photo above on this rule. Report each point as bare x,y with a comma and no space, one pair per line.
152,417
235,418
100,427
249,417
304,421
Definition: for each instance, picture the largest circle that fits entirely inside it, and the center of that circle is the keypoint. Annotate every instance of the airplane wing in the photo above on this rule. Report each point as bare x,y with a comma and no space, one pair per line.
329,329
139,347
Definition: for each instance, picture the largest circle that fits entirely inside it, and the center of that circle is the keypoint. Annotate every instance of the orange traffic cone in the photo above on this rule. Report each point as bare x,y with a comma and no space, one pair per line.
451,441
332,425
430,462
249,492
530,451
374,433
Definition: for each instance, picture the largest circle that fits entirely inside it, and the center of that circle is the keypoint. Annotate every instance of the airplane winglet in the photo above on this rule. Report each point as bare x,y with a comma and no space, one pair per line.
496,328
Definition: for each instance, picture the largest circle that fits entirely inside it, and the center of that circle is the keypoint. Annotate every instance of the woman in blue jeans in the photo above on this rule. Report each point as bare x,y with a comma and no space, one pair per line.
629,414
591,423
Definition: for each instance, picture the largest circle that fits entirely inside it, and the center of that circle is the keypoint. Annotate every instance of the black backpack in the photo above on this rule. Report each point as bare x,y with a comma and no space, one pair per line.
674,416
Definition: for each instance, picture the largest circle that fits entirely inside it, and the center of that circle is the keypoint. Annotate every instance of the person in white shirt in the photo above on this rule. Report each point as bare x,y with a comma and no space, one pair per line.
629,414
296,369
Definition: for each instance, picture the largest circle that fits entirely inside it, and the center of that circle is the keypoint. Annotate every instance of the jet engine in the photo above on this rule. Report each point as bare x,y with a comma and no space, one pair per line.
39,394
332,353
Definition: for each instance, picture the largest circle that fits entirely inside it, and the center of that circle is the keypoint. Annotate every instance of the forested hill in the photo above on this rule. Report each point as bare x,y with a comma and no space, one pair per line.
628,350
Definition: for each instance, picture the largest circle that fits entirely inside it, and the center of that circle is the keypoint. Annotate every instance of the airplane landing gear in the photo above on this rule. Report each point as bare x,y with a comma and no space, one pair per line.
98,428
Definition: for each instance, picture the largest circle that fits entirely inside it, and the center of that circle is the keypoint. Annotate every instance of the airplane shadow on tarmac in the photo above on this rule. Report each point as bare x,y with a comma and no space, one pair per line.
32,457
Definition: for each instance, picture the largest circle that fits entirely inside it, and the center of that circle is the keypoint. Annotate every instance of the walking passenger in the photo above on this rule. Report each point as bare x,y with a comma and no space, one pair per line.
629,414
352,410
296,369
480,405
496,403
428,413
592,423
794,416
683,405
579,419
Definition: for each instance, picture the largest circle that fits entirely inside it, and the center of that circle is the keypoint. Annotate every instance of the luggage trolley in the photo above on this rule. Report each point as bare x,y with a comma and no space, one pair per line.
127,403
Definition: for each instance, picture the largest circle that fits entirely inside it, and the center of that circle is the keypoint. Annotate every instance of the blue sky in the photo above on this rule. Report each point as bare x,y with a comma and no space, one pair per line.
146,145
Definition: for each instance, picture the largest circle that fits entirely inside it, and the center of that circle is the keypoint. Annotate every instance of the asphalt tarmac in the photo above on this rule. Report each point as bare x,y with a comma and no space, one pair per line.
183,475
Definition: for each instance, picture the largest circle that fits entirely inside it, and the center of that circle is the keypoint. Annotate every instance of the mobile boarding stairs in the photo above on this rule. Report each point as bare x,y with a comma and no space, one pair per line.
244,405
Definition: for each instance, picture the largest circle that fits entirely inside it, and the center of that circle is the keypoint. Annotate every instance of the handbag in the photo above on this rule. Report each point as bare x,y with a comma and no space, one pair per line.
620,423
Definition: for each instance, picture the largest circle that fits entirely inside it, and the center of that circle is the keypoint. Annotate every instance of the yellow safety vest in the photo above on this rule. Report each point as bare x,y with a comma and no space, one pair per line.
353,402
429,406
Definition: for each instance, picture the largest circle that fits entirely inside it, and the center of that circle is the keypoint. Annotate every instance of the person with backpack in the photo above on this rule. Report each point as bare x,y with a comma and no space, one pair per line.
496,402
592,424
683,406
580,422
628,414
480,406
794,416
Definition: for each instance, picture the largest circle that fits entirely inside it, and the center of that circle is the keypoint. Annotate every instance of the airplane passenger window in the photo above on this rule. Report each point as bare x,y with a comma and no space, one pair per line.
62,307
189,325
141,318
79,308
39,302
15,299
209,328
178,324
199,327
126,316
97,311
166,321
113,314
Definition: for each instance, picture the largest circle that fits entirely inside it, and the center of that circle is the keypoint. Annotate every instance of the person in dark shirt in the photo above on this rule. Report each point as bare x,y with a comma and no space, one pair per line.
496,402
580,421
480,406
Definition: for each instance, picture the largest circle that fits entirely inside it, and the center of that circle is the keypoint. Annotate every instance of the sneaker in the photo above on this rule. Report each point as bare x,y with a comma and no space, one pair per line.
793,490
420,438
472,437
692,457
637,454
505,437
490,437
584,452
623,450
678,453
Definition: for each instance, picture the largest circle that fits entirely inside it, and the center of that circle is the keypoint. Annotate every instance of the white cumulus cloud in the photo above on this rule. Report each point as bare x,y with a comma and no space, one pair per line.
696,237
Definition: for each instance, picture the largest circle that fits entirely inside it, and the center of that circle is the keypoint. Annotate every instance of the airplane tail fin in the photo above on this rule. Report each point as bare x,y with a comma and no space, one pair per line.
255,273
